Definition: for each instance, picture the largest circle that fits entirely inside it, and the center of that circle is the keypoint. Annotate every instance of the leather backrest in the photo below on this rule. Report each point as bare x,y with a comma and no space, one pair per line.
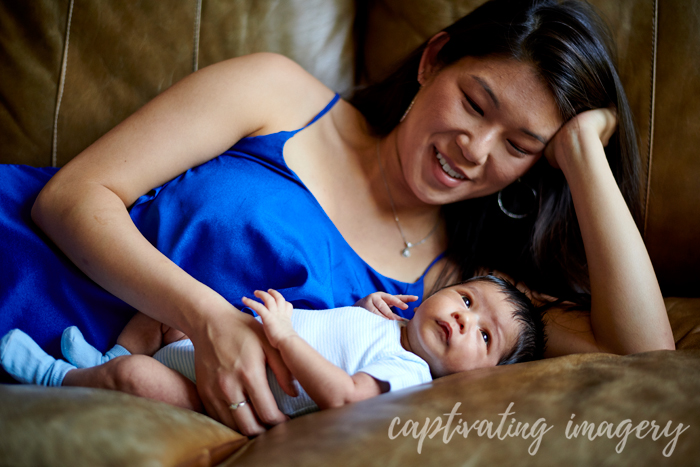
673,211
119,55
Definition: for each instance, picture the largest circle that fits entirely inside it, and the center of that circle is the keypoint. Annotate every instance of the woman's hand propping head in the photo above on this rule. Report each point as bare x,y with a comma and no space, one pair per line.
588,127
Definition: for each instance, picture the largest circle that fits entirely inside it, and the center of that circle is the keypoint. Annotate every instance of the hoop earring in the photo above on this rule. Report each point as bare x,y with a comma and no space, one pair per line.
515,198
403,117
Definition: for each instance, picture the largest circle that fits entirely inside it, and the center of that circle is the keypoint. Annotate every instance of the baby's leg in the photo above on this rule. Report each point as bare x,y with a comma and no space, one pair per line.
142,335
139,375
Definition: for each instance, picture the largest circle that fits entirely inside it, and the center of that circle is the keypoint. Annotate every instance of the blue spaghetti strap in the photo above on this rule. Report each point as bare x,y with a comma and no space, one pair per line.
320,114
439,257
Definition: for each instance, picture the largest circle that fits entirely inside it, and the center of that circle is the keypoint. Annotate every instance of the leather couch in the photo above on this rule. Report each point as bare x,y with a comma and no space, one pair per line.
71,70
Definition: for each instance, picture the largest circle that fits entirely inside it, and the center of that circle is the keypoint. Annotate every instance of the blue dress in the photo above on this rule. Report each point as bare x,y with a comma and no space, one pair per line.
240,222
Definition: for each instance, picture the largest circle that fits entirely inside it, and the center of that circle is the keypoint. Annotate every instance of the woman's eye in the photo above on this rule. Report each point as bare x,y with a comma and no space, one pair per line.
485,336
517,148
473,105
467,301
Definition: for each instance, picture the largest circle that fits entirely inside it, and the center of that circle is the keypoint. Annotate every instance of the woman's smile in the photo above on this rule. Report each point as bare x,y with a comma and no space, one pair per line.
447,167
446,171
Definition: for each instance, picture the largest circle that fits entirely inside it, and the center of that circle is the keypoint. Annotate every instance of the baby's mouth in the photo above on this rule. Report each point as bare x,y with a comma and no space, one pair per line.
447,329
447,168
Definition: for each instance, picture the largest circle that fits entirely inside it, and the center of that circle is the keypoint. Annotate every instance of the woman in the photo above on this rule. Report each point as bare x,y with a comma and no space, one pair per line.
368,197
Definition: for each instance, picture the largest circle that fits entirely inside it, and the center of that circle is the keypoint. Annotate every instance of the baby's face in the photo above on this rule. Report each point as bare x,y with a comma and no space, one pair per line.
463,327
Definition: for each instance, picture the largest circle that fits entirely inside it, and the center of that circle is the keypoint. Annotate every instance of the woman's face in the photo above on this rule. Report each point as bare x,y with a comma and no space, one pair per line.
475,127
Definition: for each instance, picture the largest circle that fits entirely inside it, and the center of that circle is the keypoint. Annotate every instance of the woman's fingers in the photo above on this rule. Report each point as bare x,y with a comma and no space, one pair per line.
230,367
217,397
596,123
610,125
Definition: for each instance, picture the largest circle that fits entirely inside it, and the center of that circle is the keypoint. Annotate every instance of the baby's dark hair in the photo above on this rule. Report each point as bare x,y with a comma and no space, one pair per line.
532,340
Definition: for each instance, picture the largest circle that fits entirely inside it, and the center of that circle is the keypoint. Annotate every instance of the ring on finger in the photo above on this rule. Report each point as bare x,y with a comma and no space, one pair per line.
238,405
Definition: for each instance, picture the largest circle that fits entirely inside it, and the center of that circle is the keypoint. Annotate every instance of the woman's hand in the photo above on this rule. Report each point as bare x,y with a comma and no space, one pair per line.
589,127
230,358
379,303
276,314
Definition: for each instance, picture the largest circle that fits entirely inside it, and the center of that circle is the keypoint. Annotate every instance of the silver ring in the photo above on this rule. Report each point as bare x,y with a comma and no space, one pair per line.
238,405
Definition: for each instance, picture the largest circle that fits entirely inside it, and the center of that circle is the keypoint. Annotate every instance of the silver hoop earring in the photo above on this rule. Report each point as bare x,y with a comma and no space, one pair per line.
519,196
403,117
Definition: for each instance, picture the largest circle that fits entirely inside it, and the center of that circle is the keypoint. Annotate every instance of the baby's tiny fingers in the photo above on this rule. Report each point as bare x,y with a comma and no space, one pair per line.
279,299
267,299
407,298
385,310
258,307
394,300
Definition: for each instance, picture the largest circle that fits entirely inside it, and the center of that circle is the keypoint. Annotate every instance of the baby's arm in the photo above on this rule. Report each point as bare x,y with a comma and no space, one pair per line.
328,385
379,303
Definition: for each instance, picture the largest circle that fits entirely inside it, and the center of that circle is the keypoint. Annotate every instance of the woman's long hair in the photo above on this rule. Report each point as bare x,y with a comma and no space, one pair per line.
570,48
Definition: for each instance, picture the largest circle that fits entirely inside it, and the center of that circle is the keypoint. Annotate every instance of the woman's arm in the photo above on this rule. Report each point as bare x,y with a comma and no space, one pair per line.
328,385
83,209
627,310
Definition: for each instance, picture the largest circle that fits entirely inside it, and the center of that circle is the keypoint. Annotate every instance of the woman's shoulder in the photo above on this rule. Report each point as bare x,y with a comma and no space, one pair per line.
289,94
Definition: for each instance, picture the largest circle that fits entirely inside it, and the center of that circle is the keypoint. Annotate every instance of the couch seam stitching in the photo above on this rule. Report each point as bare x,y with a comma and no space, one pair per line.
652,105
61,86
197,28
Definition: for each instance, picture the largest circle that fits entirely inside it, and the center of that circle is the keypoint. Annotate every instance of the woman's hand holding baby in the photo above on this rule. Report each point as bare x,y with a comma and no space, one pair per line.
379,303
230,358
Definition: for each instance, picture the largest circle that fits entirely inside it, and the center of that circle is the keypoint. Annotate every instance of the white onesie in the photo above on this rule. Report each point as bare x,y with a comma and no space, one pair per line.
352,338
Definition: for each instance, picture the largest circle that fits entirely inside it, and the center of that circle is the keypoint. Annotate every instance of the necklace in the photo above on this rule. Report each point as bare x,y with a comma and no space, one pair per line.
406,252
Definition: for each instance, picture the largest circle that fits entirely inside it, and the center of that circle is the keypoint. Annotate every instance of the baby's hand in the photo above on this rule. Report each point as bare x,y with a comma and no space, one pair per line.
379,303
276,314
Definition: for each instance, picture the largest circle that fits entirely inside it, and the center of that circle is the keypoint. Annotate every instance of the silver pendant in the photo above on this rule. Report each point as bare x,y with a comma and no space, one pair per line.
406,252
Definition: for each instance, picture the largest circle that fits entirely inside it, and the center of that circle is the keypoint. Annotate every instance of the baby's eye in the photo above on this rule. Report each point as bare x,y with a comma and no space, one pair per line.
485,335
467,301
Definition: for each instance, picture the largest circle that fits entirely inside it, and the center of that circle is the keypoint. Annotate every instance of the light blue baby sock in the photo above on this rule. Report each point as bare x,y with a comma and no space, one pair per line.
21,357
81,354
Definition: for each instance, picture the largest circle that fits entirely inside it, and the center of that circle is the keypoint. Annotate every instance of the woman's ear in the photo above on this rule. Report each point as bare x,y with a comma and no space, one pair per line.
429,65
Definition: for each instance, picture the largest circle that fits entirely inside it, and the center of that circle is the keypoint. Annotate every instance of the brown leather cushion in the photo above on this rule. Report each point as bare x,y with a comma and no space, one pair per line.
88,427
663,386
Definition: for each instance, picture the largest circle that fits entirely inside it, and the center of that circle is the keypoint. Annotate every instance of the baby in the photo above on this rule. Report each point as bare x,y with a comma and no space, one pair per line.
345,354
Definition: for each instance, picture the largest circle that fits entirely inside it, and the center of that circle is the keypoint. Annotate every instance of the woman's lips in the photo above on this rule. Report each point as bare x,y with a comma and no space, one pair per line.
444,171
448,166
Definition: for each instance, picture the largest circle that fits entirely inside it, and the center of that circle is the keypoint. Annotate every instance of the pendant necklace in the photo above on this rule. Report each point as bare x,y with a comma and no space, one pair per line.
406,252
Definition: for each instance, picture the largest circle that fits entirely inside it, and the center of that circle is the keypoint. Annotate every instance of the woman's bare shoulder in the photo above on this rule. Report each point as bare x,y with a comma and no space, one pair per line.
287,94
197,119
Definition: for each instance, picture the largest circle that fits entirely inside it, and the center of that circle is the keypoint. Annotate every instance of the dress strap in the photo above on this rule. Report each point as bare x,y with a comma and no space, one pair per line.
439,257
321,113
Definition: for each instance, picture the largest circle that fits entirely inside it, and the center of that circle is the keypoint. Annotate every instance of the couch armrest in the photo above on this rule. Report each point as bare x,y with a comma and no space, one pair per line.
78,426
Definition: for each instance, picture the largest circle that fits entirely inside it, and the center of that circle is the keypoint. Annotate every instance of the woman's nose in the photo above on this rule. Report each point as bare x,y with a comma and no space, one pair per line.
476,147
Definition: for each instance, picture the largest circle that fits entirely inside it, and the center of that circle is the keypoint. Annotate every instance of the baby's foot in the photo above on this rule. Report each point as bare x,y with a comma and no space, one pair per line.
21,357
81,354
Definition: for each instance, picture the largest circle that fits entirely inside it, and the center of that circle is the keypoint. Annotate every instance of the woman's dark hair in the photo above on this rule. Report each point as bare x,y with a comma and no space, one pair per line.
570,48
532,340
